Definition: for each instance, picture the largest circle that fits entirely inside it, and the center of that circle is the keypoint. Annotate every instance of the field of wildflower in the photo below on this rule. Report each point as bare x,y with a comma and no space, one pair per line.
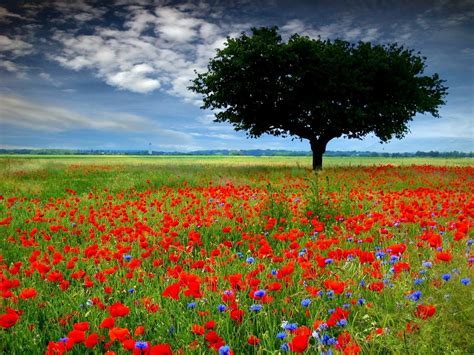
239,255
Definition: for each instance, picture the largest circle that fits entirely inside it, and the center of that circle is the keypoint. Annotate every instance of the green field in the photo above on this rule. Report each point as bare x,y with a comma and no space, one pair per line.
50,175
258,255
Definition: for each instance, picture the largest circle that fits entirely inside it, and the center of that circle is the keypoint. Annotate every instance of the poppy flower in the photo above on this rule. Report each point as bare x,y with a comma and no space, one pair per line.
107,323
118,310
119,334
28,293
253,340
299,343
92,340
9,319
425,311
172,291
161,349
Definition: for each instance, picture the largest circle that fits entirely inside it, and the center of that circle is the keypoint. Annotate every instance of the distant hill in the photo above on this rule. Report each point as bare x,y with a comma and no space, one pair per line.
225,152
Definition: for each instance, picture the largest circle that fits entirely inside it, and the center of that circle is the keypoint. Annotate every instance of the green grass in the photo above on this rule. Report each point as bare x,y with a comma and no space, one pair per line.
150,204
50,175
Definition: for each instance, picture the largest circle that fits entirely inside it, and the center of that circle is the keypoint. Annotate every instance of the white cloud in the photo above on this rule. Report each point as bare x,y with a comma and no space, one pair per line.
77,10
6,16
14,46
344,28
157,49
135,79
46,77
9,66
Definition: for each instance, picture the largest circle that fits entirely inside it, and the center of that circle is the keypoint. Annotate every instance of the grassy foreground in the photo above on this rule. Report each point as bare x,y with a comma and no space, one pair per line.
161,255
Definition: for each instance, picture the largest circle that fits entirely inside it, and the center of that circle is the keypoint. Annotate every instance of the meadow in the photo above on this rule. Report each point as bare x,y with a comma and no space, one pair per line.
193,255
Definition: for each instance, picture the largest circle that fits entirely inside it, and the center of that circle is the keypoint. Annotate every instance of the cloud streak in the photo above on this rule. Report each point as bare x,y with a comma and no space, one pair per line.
20,112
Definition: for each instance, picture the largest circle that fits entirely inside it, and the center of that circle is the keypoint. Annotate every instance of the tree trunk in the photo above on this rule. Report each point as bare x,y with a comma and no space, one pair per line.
318,147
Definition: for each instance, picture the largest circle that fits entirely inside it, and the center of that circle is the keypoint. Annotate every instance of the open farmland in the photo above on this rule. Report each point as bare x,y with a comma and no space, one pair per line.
161,255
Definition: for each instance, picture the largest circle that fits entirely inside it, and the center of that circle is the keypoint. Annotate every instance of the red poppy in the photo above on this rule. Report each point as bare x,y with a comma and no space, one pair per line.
253,340
28,293
161,349
107,323
77,336
119,310
9,319
92,340
425,311
299,343
119,334
444,256
172,291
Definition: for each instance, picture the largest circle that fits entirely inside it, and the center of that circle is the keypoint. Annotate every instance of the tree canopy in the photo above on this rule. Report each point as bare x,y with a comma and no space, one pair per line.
317,89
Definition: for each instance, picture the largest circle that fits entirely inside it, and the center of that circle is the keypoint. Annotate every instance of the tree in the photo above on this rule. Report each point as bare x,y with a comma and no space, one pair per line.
317,89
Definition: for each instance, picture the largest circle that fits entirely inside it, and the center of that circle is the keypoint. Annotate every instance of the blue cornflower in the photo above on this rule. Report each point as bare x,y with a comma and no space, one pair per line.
127,257
132,290
291,326
191,305
224,350
415,296
281,335
362,283
222,308
141,345
328,340
418,281
250,260
323,326
427,264
274,272
446,277
394,259
260,293
306,302
330,293
346,305
466,281
342,323
328,261
331,311
422,272
285,347
256,307
470,242
240,255
360,301
380,255
64,340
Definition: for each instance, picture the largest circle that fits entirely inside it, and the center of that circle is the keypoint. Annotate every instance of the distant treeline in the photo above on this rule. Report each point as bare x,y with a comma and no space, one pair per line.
249,152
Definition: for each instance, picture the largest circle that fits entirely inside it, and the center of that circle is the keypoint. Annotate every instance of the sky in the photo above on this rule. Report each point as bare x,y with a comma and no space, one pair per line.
114,74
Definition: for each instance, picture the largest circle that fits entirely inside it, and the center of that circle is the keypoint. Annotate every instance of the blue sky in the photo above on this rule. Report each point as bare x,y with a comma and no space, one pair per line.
114,74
